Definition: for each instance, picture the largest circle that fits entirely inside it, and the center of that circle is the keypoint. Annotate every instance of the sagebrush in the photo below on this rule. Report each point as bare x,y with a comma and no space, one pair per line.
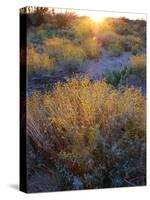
91,129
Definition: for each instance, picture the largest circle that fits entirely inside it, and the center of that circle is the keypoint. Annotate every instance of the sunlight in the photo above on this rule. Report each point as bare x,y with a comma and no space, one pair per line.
85,100
97,17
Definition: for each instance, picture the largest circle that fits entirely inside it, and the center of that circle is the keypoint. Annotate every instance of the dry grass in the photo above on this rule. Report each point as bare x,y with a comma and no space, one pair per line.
71,122
39,62
66,53
83,27
91,47
138,65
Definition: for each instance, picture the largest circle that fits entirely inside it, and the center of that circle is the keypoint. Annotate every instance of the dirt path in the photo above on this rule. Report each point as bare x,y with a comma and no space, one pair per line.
96,68
93,68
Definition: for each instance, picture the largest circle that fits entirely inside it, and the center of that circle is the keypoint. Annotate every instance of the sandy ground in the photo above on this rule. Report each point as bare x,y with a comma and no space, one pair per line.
96,68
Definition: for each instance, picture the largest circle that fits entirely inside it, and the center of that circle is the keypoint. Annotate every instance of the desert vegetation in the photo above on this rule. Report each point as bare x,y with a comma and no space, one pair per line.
86,101
90,130
138,66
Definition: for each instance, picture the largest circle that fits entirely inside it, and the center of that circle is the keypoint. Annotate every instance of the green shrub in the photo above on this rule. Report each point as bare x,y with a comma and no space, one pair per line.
117,78
115,48
112,77
136,49
41,33
132,43
133,39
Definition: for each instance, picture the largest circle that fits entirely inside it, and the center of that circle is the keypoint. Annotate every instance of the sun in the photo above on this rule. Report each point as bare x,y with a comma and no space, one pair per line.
97,17
94,15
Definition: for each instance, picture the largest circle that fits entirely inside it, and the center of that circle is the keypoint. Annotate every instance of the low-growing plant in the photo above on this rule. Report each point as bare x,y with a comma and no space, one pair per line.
41,33
133,39
107,37
73,57
117,78
39,62
92,131
73,65
33,40
138,66
83,27
66,52
136,49
115,48
71,50
132,43
112,77
91,47
54,46
106,26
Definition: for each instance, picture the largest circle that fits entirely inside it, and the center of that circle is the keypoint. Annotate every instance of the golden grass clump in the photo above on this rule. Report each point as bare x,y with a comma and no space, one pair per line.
63,49
66,53
91,47
83,27
54,46
138,60
73,51
78,115
39,61
138,65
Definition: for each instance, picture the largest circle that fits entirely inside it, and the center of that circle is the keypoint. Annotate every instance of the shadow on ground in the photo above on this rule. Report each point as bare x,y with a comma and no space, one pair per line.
14,186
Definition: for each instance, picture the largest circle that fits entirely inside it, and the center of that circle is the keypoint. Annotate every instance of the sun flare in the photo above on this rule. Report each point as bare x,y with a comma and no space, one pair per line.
97,17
